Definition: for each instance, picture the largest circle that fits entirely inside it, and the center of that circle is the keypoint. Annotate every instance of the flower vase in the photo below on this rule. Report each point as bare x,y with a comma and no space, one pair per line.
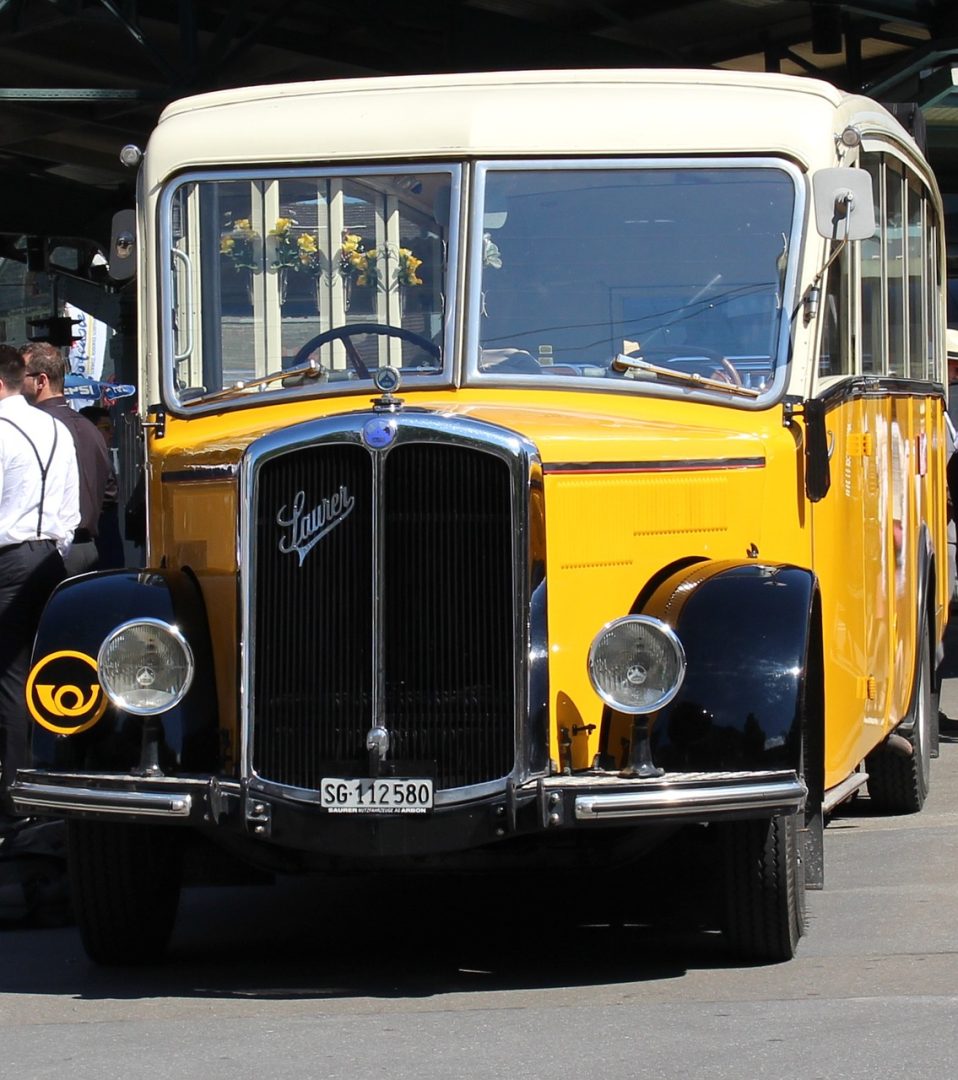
347,290
282,283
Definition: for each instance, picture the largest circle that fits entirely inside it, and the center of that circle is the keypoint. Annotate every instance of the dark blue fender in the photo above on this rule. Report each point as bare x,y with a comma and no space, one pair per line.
75,727
751,635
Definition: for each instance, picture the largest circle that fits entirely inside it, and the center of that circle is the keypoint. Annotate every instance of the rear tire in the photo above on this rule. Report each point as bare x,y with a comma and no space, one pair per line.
764,895
898,784
125,885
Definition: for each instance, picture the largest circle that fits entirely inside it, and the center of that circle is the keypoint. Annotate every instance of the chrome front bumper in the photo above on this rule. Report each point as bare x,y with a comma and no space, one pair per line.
689,795
120,795
563,800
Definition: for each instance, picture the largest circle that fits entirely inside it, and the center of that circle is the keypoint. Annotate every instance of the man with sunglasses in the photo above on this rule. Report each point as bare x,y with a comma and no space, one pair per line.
45,375
39,512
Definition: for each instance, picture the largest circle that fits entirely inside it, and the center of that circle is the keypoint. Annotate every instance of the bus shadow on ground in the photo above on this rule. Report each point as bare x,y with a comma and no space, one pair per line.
395,937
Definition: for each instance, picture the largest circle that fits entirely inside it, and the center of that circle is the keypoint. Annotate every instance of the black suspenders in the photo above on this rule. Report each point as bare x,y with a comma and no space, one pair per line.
44,469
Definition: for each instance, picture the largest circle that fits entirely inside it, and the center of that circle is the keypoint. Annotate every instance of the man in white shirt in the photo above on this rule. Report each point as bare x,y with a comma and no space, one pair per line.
39,511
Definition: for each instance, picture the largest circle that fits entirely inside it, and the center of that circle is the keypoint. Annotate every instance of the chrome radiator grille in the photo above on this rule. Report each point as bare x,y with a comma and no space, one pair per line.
429,535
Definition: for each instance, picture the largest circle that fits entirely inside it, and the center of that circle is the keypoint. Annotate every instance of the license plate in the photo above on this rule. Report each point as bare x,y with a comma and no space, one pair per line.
380,795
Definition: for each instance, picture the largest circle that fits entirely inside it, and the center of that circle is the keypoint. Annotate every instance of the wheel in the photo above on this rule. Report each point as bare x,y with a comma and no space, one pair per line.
344,333
125,884
764,894
898,783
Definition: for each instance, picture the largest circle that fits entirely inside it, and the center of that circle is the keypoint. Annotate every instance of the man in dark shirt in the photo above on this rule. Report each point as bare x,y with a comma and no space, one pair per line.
43,385
109,542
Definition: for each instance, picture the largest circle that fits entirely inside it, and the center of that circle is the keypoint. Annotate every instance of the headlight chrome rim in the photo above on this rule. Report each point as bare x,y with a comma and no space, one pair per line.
668,634
118,699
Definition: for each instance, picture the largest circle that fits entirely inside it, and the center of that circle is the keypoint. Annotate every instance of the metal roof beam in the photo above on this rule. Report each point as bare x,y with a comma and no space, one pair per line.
64,95
172,74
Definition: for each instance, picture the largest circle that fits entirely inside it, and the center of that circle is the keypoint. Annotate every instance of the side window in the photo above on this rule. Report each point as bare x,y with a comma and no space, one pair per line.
836,354
918,291
873,318
900,275
932,286
893,228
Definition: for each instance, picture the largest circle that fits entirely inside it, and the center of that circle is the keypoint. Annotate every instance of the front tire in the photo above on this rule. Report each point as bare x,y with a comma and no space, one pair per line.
764,894
125,885
898,783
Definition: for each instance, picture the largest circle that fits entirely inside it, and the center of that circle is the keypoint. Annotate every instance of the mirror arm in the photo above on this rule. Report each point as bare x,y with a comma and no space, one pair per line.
811,296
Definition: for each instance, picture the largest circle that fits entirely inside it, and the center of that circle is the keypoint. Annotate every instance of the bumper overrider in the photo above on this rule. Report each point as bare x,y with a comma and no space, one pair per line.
545,805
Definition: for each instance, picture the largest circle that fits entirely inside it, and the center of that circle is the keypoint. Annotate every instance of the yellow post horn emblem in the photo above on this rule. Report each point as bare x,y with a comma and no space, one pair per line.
65,702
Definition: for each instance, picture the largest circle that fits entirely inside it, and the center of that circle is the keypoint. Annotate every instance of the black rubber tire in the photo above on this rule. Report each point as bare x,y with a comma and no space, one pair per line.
125,886
764,895
898,784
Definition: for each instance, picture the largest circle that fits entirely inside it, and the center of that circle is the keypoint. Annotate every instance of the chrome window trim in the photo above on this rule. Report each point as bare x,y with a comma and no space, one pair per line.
472,302
528,560
164,263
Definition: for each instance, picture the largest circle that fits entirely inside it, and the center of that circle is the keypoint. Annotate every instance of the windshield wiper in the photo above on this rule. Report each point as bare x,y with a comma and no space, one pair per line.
310,370
623,364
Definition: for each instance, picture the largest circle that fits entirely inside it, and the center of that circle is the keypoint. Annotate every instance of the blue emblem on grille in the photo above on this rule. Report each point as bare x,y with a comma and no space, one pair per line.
379,432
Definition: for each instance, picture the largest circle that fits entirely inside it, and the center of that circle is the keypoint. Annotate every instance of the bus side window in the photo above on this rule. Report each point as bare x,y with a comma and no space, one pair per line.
894,228
872,286
916,287
835,357
934,361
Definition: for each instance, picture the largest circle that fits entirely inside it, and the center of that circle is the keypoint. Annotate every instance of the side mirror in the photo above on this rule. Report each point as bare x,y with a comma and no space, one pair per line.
123,246
844,204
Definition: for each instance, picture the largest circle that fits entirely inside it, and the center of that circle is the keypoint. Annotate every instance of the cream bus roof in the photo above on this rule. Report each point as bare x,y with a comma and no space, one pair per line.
532,112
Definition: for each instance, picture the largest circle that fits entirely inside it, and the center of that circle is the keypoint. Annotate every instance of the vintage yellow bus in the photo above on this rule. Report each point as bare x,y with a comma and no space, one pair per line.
538,467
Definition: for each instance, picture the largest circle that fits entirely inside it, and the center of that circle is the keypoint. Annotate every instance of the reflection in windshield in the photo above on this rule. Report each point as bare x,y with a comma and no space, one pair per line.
683,267
345,274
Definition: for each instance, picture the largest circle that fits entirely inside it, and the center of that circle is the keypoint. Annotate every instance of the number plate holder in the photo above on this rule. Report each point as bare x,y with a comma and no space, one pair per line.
376,795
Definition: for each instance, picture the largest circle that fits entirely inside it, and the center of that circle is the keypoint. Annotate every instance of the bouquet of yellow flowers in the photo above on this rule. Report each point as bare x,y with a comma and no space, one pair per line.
309,258
357,263
408,265
241,245
283,246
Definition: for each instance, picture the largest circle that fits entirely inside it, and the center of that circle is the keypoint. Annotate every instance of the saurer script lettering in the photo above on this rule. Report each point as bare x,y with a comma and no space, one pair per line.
307,529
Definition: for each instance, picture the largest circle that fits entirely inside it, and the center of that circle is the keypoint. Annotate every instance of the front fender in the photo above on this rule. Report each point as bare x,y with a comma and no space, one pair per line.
746,629
75,726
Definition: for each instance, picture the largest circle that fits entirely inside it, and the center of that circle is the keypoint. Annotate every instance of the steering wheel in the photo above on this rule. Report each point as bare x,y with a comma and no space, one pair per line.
344,333
693,359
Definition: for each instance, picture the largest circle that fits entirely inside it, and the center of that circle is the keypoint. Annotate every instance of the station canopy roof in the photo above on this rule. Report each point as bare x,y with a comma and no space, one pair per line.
81,78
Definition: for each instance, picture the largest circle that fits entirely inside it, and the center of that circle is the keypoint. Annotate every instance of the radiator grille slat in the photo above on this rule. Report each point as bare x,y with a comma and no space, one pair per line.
447,598
313,650
448,611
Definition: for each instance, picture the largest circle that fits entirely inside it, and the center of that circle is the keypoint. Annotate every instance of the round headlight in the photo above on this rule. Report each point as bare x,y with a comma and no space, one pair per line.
145,666
636,664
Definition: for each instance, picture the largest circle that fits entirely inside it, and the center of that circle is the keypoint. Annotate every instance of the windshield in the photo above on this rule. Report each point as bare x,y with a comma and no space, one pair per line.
681,268
328,276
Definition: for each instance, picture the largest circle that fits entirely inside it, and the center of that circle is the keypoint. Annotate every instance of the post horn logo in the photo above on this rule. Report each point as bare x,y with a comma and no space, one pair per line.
63,693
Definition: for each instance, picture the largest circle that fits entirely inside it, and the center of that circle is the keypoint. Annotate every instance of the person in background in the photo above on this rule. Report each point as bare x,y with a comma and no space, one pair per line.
109,542
44,379
39,512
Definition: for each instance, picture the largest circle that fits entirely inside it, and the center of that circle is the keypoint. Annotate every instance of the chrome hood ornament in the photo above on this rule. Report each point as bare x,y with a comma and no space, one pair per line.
388,380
